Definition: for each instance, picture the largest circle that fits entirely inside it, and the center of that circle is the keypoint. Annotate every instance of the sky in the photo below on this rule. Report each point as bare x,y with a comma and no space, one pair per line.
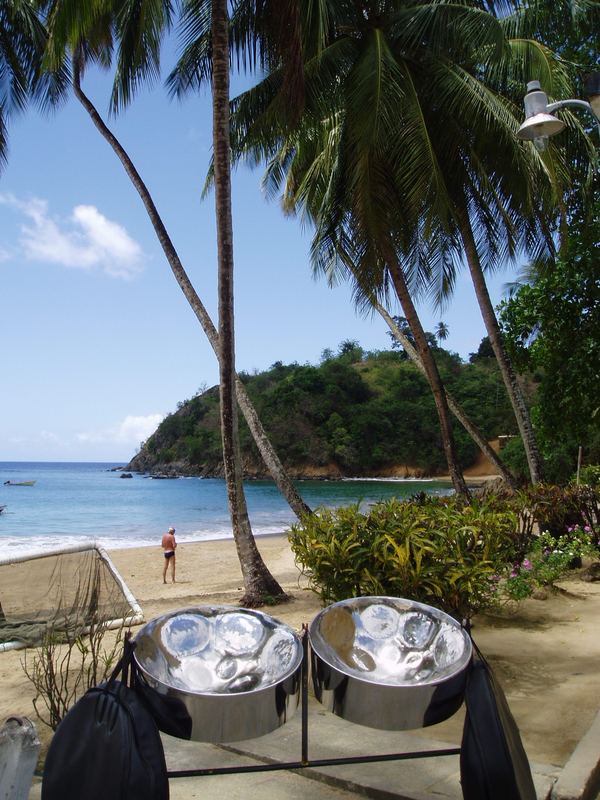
99,341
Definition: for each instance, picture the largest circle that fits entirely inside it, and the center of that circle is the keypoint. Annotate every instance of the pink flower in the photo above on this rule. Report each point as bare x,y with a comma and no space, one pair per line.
526,564
587,529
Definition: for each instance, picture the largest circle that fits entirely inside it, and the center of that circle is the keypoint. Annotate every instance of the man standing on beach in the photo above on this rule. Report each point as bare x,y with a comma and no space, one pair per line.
168,545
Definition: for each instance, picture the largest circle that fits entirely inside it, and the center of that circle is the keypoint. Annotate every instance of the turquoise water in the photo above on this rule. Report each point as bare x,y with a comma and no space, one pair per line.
72,503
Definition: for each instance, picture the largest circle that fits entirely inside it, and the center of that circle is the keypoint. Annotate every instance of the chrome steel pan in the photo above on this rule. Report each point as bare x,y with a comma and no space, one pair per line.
230,673
389,663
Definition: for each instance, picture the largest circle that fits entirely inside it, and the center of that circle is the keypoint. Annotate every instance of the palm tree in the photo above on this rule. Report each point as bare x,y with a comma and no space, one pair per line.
477,435
90,37
404,151
441,332
260,436
22,43
257,579
121,93
22,46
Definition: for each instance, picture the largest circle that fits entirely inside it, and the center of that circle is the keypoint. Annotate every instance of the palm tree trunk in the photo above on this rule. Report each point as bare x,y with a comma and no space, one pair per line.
432,373
534,459
258,581
472,429
270,457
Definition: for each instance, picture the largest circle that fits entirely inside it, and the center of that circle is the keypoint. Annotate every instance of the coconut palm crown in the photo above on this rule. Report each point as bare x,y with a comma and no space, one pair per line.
404,157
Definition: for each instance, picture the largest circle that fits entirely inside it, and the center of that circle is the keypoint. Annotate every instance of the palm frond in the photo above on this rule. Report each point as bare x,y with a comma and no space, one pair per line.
140,26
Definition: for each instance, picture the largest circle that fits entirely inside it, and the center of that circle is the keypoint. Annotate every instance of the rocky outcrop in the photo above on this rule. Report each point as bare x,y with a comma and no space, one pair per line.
144,464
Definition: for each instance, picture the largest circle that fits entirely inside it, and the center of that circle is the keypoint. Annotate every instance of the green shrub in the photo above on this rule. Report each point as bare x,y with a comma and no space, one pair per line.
590,475
556,508
438,551
549,560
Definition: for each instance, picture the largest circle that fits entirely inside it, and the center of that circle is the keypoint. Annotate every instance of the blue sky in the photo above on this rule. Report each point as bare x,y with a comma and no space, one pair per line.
99,341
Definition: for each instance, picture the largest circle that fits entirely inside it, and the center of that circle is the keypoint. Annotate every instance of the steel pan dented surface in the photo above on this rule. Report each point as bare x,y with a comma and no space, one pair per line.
389,663
234,671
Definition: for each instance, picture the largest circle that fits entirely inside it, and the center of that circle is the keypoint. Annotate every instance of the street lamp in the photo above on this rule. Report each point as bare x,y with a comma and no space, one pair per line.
540,122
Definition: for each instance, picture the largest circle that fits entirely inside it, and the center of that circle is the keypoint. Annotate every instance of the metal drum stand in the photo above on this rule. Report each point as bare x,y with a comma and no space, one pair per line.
304,761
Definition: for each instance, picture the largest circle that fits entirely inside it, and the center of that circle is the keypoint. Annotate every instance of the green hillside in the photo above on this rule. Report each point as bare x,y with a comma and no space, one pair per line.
354,414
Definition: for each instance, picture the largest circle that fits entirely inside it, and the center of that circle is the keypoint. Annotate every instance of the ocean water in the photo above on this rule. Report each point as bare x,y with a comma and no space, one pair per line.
75,503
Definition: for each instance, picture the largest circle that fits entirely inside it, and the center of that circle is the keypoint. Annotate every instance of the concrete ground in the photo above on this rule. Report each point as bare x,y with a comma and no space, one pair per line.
331,737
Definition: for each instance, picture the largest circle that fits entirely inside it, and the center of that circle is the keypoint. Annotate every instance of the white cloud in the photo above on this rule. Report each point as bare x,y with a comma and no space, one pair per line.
86,240
132,430
48,436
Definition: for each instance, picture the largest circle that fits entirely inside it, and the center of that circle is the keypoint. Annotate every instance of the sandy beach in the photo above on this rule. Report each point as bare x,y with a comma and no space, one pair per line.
546,652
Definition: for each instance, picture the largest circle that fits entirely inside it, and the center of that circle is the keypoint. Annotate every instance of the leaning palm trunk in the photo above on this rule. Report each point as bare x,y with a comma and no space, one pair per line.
513,389
472,429
258,581
433,376
270,457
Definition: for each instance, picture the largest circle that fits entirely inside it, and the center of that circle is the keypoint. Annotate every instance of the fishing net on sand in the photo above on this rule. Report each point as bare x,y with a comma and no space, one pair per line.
61,592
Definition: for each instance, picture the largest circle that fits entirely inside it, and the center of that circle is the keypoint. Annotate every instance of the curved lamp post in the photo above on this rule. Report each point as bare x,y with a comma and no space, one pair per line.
540,122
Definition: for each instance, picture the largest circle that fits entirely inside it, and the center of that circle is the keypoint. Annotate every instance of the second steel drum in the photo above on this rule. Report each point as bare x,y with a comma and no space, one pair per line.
389,663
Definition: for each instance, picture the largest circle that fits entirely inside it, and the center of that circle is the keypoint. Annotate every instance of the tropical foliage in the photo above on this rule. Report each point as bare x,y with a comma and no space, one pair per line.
436,551
356,411
405,156
551,325
549,559
461,558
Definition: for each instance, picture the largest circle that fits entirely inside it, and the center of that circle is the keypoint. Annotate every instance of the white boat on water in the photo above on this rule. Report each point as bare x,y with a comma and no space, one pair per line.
2,509
19,483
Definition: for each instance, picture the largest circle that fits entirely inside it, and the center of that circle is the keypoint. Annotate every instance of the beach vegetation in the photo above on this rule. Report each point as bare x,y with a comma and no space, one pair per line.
401,174
555,509
551,324
68,661
258,580
399,190
549,559
436,551
439,551
22,46
590,476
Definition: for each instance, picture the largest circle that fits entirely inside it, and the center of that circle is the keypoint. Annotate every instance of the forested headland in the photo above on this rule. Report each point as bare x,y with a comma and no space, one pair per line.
356,413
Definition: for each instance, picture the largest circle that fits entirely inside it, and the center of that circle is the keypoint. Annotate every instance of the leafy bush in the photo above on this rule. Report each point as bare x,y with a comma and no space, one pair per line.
557,508
436,551
550,559
590,475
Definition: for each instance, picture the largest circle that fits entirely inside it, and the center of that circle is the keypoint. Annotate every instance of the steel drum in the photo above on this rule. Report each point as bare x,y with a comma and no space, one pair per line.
389,663
232,673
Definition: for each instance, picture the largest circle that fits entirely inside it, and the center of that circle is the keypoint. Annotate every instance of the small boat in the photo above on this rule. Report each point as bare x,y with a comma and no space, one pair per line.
19,483
2,509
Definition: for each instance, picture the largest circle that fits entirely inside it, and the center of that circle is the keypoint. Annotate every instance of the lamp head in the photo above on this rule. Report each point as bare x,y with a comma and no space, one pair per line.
540,125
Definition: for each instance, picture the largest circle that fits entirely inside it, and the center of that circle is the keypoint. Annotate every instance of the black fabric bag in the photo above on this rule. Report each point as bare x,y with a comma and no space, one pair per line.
107,746
493,762
170,714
